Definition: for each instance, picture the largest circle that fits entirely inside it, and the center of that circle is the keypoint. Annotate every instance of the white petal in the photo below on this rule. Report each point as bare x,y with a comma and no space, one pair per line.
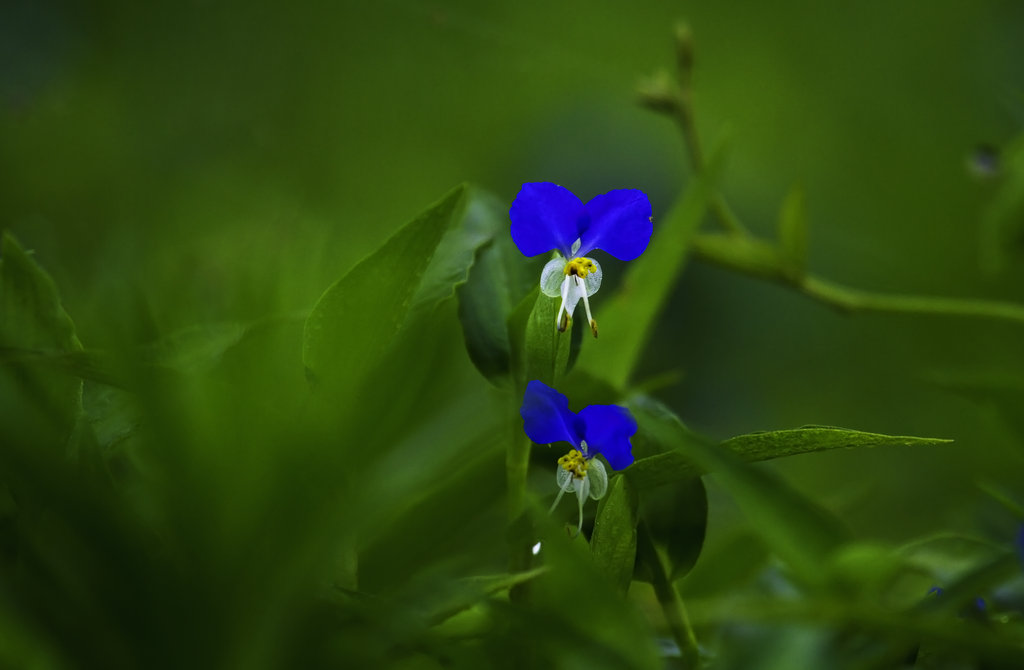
563,477
551,277
593,280
598,477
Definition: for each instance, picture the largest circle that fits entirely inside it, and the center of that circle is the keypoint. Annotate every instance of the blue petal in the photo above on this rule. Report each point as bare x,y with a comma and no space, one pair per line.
619,223
547,417
608,429
545,216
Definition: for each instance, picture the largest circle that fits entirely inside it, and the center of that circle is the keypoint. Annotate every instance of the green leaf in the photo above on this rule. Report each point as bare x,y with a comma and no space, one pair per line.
779,443
43,400
793,231
631,314
31,315
677,518
1001,227
798,530
1001,390
355,321
673,466
539,350
471,590
499,279
614,538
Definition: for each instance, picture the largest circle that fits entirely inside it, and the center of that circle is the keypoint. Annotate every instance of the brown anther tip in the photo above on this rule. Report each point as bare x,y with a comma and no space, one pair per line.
593,327
564,323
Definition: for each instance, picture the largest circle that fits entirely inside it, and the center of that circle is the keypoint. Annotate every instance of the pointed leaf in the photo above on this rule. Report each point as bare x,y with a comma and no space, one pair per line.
672,466
44,400
801,533
355,321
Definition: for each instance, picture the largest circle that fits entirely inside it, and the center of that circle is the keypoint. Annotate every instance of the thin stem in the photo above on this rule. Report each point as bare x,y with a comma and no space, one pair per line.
671,604
855,300
734,253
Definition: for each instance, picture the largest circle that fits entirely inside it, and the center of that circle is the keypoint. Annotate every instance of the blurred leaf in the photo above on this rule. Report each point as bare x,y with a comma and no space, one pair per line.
1001,390
670,466
31,315
1002,223
575,617
726,566
677,518
41,399
747,254
355,321
799,531
793,230
499,279
947,557
613,541
471,590
633,311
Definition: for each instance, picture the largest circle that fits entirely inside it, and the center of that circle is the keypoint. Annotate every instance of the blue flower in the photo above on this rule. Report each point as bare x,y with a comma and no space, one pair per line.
547,217
597,429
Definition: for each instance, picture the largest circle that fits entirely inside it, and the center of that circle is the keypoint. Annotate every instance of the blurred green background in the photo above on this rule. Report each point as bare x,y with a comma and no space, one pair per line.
197,162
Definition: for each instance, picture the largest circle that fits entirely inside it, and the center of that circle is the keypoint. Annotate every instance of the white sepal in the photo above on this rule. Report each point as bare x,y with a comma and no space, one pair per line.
598,477
593,280
551,277
564,479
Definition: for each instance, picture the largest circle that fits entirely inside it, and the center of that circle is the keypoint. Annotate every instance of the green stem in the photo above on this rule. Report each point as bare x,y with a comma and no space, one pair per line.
671,604
855,300
517,463
756,258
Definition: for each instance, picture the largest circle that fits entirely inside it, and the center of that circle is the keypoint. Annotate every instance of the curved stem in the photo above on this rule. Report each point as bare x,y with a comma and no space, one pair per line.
671,604
755,258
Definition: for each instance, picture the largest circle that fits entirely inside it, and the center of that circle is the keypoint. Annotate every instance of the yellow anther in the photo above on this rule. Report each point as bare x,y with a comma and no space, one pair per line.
580,267
575,463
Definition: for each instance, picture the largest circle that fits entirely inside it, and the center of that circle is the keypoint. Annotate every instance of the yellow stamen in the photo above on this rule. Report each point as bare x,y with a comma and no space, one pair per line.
580,267
575,463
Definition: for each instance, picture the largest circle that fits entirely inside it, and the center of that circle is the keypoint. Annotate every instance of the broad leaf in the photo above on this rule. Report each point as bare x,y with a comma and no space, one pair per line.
614,539
354,323
498,281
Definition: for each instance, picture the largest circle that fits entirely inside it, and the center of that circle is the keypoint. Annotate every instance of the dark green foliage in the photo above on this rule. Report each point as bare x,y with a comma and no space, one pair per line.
257,412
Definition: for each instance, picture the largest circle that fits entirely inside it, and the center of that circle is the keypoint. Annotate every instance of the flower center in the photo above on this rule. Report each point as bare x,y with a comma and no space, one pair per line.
574,463
580,267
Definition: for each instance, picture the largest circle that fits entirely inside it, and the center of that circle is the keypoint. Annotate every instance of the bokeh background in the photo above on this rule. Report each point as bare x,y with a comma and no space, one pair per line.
198,162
